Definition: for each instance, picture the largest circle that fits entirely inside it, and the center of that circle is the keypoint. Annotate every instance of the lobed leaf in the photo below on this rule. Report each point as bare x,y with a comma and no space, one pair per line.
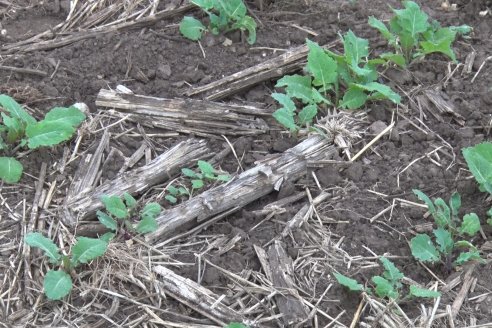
440,41
14,127
16,110
147,224
10,170
129,200
423,292
36,239
391,272
381,27
321,66
444,240
384,288
249,24
235,9
197,184
206,168
150,210
468,256
307,114
191,28
189,173
355,49
353,98
297,86
350,283
381,89
107,221
48,133
65,115
398,59
204,4
87,249
57,284
423,249
412,19
115,206
470,224
171,199
286,118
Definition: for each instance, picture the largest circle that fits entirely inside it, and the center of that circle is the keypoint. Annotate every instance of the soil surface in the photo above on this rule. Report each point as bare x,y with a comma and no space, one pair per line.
364,213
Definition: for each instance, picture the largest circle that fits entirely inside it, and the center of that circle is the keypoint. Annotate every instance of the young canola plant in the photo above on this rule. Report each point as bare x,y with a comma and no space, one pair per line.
19,129
223,16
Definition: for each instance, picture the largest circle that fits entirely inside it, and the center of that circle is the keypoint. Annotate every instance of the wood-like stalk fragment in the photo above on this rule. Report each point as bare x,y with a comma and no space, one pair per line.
244,188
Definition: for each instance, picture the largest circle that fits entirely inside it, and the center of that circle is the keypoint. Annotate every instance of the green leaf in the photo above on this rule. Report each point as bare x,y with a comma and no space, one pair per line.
183,191
206,168
384,288
14,126
423,292
115,206
197,184
443,213
147,224
440,41
321,66
233,8
204,4
391,273
489,222
107,237
423,249
86,249
48,133
455,204
65,115
236,325
398,59
381,27
249,24
129,200
285,101
355,49
10,169
444,240
57,284
353,98
479,160
423,197
464,244
171,199
286,118
468,256
382,90
297,86
107,221
412,19
223,177
189,173
172,190
470,224
462,29
16,110
307,114
151,210
191,28
350,283
36,239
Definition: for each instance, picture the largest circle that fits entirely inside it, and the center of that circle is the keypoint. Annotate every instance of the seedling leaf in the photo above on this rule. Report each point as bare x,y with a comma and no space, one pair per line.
65,115
350,283
223,177
382,90
236,325
442,216
36,239
297,86
423,249
444,240
440,41
423,292
286,118
129,200
107,237
249,24
307,114
468,256
353,98
197,184
479,160
107,221
455,204
470,225
206,168
384,288
322,67
147,224
171,199
398,59
15,110
86,249
10,169
233,8
151,210
204,4
391,273
412,19
48,133
423,197
381,27
115,206
189,173
57,284
191,28
285,101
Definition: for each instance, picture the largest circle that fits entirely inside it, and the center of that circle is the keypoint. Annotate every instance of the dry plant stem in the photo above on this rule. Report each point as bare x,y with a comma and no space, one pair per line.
372,142
303,214
23,70
196,297
199,117
288,299
161,169
244,188
463,293
288,62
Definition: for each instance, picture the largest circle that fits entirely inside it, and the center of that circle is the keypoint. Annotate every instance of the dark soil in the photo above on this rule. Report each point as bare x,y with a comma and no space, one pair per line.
386,173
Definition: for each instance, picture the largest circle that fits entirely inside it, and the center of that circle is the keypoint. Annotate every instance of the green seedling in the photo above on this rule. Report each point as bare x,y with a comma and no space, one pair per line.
18,129
58,283
175,193
122,212
479,160
236,325
207,172
450,233
224,16
386,286
412,35
346,81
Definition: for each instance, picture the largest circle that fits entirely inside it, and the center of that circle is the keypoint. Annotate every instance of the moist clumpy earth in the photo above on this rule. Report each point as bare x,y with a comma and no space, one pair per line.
365,215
